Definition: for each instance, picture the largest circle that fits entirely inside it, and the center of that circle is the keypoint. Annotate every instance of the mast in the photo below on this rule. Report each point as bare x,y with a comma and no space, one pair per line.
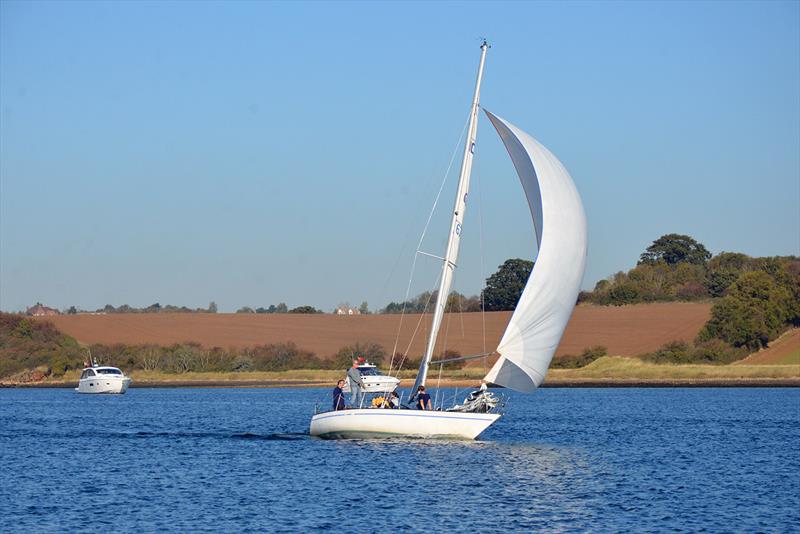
454,240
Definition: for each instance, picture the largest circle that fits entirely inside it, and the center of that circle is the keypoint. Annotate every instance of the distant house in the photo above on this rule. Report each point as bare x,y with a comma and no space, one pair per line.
39,310
346,310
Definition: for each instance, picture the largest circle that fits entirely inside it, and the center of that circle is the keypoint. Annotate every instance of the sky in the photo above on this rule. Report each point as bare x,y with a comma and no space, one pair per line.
253,153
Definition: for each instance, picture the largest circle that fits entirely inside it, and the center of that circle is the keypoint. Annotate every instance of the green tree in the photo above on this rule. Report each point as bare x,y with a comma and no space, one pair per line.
304,309
569,361
755,311
281,308
675,248
505,286
245,309
723,270
672,352
24,329
622,294
730,261
364,308
212,307
718,281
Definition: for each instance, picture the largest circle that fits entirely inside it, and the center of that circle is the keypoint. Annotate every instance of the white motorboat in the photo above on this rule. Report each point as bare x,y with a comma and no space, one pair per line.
539,319
103,379
373,380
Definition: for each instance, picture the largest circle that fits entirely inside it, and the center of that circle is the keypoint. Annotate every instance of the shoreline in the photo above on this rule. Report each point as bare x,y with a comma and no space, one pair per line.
580,383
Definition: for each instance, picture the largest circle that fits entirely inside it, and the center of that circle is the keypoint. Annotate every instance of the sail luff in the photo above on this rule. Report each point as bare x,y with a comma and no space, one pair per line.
454,239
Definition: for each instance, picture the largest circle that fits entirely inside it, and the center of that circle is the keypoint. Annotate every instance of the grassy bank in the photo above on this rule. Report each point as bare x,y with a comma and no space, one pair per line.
608,370
621,369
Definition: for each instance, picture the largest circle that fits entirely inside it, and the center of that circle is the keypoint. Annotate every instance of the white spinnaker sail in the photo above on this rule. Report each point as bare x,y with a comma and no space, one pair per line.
546,304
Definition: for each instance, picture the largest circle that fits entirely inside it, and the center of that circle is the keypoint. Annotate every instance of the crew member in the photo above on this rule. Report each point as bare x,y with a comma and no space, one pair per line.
394,400
423,399
338,396
356,385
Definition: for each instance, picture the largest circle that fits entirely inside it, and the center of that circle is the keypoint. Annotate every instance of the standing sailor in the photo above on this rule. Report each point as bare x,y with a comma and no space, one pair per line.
354,376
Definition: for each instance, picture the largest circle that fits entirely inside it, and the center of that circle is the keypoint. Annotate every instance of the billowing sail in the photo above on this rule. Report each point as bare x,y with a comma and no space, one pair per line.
546,304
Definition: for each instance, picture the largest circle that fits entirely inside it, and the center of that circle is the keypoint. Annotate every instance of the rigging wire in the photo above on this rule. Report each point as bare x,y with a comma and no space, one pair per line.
483,273
438,388
421,239
414,334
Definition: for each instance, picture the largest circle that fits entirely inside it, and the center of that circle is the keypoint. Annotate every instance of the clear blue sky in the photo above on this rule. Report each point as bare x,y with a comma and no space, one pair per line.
252,153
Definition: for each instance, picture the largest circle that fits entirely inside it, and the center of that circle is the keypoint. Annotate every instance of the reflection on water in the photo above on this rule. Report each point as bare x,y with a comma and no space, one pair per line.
561,460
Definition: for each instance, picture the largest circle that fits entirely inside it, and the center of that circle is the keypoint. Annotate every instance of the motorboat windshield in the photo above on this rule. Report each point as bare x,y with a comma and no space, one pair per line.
108,371
369,371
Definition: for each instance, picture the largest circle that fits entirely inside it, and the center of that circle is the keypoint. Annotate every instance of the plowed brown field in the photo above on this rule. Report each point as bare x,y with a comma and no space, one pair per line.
625,331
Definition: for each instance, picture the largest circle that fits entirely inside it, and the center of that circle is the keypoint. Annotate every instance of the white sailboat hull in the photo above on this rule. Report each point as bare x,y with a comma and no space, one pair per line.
382,423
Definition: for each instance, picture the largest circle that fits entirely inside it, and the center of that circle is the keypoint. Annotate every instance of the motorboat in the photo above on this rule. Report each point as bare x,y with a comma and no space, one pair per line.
103,379
535,328
373,380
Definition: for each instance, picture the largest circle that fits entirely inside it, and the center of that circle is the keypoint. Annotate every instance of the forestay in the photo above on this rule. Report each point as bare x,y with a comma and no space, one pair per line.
546,304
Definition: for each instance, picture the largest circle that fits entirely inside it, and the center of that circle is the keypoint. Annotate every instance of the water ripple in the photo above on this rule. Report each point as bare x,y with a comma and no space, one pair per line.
562,460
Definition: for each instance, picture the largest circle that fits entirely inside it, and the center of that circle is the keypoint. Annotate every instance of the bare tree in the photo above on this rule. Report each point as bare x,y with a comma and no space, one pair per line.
151,359
203,360
184,359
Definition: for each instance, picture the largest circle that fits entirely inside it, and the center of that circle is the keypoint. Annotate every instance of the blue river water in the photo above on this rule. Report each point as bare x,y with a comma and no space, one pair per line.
240,460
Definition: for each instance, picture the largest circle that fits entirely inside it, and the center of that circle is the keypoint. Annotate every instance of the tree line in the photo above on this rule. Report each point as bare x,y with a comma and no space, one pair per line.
153,308
27,344
678,268
212,308
501,292
755,299
280,308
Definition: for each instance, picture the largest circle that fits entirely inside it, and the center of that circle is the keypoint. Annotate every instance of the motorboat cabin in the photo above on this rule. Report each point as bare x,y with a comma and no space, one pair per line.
102,379
374,381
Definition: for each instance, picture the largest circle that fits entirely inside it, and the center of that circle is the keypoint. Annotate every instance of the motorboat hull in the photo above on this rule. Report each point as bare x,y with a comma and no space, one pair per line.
104,384
383,423
374,384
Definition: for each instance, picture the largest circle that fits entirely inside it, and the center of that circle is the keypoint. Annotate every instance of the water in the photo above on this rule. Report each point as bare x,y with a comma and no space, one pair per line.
194,460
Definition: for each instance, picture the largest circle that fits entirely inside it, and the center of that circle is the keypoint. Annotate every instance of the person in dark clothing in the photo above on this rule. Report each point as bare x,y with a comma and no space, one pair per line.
338,396
423,399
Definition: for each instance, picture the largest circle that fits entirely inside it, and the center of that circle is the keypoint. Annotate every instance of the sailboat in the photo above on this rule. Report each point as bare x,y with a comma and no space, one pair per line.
541,315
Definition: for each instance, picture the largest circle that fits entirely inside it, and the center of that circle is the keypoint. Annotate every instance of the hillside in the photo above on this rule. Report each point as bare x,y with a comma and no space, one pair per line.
624,330
783,351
